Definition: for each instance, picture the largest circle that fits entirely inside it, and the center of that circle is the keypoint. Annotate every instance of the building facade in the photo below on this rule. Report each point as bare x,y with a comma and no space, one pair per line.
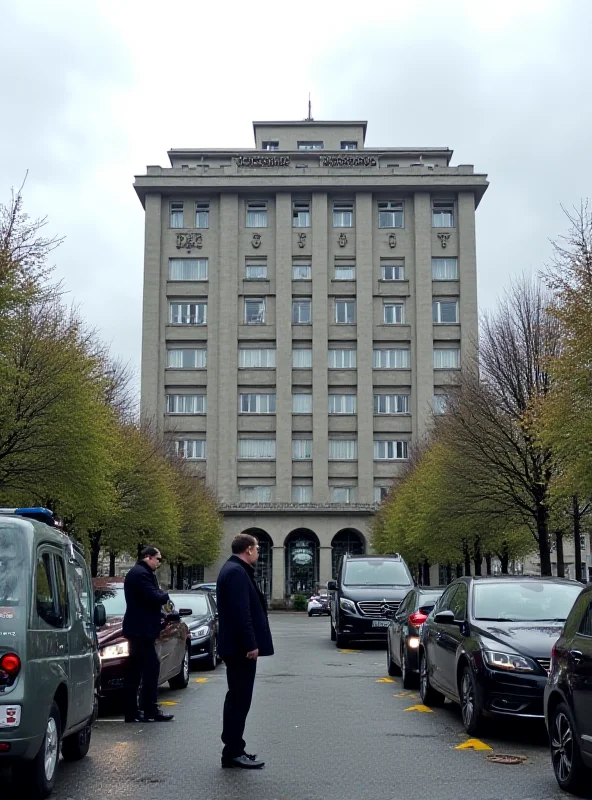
306,305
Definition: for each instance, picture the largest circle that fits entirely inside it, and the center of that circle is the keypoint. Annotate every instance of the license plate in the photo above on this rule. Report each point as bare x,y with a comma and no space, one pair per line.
380,623
10,716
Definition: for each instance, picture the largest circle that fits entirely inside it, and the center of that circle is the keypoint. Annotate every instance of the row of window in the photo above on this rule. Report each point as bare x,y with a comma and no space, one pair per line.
390,214
264,449
275,145
196,269
344,495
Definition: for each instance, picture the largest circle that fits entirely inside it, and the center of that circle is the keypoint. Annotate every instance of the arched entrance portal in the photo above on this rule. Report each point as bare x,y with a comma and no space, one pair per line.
347,541
264,566
302,562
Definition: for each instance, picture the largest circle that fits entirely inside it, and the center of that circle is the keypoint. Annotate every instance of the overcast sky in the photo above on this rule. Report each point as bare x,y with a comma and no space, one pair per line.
92,92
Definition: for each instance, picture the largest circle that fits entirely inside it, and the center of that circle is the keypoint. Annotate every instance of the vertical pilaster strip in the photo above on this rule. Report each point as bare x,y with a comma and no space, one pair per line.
283,323
153,326
320,322
467,265
422,335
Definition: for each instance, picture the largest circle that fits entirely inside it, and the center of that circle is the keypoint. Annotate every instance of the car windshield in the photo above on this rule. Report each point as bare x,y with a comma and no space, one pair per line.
196,602
14,559
113,600
376,572
524,601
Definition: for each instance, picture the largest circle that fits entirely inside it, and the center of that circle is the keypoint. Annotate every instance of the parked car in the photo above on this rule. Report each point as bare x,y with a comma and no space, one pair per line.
200,614
568,699
204,587
367,590
318,604
49,663
404,631
173,645
487,645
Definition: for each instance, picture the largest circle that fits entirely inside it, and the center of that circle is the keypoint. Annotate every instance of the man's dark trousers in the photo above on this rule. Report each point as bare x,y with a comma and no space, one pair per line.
142,666
240,674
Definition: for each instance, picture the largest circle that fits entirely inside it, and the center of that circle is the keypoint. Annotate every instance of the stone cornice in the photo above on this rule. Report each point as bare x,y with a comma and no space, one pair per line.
299,508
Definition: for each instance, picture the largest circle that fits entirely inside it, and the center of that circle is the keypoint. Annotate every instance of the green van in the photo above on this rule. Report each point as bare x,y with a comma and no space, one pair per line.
49,663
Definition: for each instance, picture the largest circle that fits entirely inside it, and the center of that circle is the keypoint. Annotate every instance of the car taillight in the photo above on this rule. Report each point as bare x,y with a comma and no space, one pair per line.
417,618
10,663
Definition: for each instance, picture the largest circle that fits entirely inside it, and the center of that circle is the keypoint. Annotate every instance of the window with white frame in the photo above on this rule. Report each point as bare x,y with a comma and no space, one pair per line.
257,214
256,494
186,358
256,272
342,494
343,449
390,214
392,272
380,493
345,312
176,215
443,213
301,449
342,404
254,311
301,312
394,313
256,403
349,145
300,214
444,269
302,403
445,312
256,449
256,357
302,494
186,403
270,145
345,272
302,358
391,451
447,358
202,214
188,269
391,403
343,215
191,449
301,272
311,145
440,403
189,313
342,359
392,358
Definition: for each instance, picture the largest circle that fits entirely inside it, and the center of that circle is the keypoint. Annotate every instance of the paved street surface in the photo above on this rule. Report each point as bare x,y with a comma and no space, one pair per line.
329,726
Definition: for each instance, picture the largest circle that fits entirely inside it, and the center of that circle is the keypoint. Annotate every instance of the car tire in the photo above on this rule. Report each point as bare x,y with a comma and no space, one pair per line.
212,660
181,681
341,640
429,696
333,633
310,613
75,746
391,667
408,677
37,778
471,703
571,773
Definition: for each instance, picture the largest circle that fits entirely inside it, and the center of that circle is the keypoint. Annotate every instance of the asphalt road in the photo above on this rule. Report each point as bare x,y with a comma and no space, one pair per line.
328,723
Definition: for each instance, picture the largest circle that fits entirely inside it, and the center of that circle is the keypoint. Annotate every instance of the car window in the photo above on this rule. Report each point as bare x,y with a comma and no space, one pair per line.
62,589
376,572
443,603
458,603
49,595
82,592
14,562
408,604
585,628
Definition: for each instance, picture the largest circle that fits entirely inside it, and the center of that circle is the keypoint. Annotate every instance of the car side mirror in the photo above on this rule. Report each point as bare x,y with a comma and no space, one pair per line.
100,615
173,616
332,586
185,612
444,618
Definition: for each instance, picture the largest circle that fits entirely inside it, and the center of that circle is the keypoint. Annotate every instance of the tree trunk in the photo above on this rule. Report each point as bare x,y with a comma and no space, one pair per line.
95,548
576,535
543,539
112,556
560,557
488,564
449,572
459,571
172,581
504,558
179,576
426,573
467,556
478,558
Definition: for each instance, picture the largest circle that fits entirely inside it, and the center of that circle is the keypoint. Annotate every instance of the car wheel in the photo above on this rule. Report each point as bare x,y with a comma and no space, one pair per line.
181,681
471,705
391,667
409,678
333,633
212,660
571,773
310,613
429,696
76,746
38,777
341,640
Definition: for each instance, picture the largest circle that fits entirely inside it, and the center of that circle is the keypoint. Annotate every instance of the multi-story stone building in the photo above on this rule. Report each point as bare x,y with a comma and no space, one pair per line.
306,305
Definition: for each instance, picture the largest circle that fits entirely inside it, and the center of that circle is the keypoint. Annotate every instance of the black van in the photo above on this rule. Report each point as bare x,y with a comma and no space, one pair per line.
367,592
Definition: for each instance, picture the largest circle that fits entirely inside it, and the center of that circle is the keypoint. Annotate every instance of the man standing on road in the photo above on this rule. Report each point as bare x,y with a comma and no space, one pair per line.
141,627
243,636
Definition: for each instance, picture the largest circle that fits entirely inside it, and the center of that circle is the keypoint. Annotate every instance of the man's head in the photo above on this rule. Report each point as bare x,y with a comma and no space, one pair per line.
152,557
246,547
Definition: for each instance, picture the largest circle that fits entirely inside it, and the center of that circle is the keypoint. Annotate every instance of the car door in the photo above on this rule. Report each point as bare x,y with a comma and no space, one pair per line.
167,648
580,660
432,633
81,641
450,639
399,626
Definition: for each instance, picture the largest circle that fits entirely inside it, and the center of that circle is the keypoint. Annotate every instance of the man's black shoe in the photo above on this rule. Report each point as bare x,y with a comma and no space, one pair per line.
139,717
244,762
158,717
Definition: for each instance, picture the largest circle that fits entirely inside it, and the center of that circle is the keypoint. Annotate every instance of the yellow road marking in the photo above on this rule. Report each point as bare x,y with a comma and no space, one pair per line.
202,680
349,652
473,744
385,680
422,709
168,703
414,695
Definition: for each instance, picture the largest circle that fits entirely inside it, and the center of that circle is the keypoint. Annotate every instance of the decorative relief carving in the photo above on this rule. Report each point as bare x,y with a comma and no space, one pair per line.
443,237
392,240
301,240
263,161
348,161
342,240
256,240
187,241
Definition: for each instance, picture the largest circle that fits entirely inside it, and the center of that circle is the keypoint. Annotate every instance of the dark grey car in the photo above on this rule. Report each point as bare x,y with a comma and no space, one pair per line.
404,631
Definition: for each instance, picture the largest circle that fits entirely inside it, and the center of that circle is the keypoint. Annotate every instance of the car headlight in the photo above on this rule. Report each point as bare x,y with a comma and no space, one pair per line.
511,662
119,650
199,633
347,605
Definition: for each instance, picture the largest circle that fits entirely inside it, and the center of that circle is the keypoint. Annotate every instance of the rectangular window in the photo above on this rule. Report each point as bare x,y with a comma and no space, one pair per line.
189,313
390,215
343,449
301,314
300,215
394,313
443,214
202,214
447,358
256,357
311,145
302,449
342,404
186,403
270,145
345,273
393,358
392,272
256,403
176,211
302,403
191,449
302,494
256,449
342,494
444,269
301,272
380,493
349,145
188,269
186,358
445,312
302,358
391,451
257,215
345,312
254,312
255,494
391,403
256,272
343,215
439,404
342,359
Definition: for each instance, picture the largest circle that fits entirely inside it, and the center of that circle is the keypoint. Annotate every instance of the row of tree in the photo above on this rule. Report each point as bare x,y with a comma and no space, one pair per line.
70,436
507,470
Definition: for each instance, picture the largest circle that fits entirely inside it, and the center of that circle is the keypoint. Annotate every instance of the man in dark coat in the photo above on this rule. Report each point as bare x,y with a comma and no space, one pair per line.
243,637
141,627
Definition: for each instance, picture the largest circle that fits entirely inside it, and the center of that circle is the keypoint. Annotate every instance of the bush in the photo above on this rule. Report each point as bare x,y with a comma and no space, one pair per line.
299,602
